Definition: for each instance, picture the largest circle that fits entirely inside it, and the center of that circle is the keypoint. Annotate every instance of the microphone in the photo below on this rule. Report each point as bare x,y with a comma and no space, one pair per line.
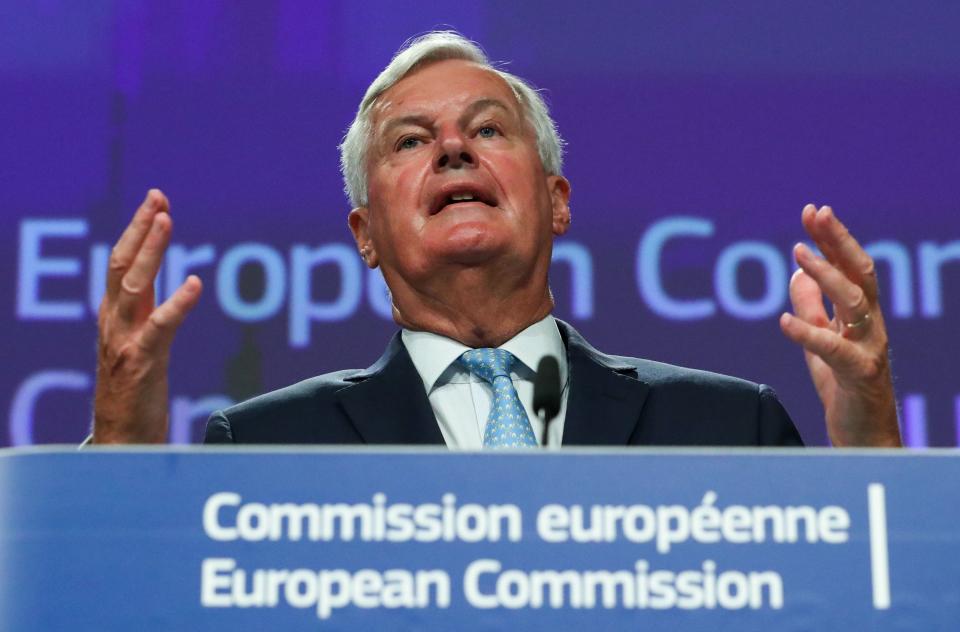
546,392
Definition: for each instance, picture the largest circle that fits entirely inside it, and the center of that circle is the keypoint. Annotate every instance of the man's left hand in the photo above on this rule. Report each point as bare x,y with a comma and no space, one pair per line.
847,355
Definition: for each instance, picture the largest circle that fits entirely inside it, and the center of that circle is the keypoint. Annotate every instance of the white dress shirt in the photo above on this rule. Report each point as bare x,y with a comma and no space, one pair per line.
461,401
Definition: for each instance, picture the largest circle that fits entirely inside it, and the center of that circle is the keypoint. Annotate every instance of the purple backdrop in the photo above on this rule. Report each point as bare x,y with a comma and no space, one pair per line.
697,131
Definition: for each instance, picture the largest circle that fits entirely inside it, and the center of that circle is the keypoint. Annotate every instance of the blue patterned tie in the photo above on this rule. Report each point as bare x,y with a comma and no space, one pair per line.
507,424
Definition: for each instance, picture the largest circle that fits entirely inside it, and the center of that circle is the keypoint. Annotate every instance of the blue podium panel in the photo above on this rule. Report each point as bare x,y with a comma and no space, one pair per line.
243,539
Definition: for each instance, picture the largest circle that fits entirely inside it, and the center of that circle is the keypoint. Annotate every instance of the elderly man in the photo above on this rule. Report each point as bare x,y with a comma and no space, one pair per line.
454,171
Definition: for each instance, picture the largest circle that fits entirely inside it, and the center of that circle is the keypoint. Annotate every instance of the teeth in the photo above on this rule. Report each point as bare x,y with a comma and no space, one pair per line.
460,197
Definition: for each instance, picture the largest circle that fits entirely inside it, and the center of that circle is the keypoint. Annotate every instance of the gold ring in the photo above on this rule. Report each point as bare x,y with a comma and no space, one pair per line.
858,324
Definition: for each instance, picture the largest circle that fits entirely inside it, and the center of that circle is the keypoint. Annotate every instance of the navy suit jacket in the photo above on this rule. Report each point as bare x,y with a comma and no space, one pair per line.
613,400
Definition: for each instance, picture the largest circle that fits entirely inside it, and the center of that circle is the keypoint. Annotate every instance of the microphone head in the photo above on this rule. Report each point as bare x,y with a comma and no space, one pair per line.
546,388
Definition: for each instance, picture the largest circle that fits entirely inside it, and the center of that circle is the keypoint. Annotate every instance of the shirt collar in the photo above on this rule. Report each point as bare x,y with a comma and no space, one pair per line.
432,354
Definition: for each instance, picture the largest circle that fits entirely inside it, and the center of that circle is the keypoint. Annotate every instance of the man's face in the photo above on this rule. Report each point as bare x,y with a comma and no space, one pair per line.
454,178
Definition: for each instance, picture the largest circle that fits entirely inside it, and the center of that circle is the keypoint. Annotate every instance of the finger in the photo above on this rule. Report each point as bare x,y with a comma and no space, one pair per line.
839,354
808,219
164,321
126,248
841,248
849,299
807,300
136,288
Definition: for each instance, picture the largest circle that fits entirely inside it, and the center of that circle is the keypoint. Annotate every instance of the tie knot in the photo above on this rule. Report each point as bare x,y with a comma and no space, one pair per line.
488,364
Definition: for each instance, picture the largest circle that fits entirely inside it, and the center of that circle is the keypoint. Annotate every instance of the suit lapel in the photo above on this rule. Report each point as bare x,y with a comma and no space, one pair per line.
605,398
387,403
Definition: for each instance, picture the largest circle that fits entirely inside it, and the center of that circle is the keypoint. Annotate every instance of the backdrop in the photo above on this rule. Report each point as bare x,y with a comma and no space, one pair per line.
697,131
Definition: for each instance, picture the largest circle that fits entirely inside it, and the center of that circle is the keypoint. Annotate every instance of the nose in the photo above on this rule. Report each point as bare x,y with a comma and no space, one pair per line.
454,152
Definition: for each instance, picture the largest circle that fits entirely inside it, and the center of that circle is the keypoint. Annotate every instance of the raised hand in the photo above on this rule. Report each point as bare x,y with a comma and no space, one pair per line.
133,351
847,354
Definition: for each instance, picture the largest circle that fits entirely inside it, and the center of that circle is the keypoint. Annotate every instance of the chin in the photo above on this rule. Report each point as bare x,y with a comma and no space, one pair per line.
469,238
469,256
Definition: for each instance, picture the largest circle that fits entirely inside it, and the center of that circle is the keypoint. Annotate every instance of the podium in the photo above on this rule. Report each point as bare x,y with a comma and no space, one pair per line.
297,538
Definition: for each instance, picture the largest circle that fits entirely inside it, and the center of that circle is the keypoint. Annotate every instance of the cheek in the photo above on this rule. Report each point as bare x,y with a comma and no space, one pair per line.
389,185
516,176
396,196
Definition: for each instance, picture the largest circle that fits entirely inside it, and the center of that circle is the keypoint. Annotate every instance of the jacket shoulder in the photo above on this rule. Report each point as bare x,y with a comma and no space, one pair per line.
716,409
695,407
664,375
305,412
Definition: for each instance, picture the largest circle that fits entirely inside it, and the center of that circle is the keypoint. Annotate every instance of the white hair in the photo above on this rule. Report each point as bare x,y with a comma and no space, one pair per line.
413,55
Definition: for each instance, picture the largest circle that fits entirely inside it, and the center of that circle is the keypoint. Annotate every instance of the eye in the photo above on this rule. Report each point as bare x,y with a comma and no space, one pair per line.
487,132
408,143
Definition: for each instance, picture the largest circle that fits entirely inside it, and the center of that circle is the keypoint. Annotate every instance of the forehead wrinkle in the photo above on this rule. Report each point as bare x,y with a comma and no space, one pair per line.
383,101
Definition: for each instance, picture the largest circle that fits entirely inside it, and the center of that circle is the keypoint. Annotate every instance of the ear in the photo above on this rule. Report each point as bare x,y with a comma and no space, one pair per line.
359,222
560,198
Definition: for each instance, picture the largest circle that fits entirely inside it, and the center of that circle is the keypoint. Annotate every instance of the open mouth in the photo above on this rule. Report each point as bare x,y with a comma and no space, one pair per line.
456,197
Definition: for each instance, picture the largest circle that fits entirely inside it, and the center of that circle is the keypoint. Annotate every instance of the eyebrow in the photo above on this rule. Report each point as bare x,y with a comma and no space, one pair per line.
480,105
422,120
418,120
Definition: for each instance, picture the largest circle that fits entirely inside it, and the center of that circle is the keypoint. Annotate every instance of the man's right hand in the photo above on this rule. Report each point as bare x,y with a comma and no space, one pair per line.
133,350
